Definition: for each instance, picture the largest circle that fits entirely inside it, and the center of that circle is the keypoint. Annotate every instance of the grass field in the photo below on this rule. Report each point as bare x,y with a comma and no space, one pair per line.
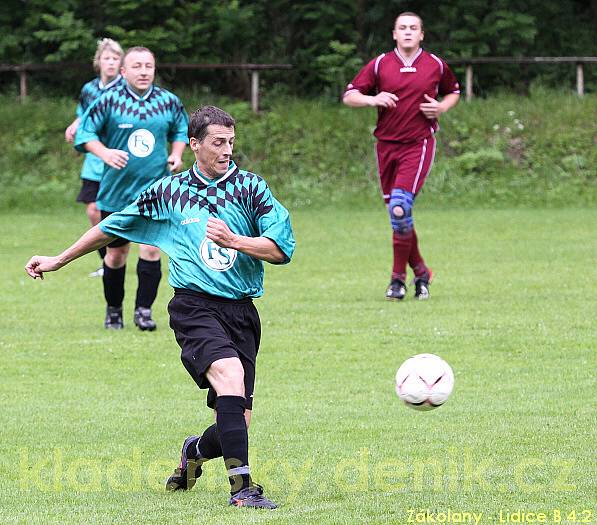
91,421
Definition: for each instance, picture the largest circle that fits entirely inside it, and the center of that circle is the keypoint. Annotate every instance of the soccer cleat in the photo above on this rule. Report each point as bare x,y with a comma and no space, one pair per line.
188,471
143,319
396,291
422,285
114,318
252,497
98,273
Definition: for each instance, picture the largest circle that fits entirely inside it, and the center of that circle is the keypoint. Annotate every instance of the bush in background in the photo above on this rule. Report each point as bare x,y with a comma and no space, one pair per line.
503,151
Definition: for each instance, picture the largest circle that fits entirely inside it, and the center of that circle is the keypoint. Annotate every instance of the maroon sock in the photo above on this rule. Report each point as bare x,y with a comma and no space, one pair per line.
415,260
402,245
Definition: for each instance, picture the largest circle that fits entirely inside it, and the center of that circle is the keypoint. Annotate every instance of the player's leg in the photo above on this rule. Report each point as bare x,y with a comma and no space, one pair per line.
113,280
87,196
414,166
202,340
423,274
400,209
149,274
228,379
223,360
387,164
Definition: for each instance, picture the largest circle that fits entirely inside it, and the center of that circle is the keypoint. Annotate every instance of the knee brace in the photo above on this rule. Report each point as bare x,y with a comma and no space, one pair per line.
403,199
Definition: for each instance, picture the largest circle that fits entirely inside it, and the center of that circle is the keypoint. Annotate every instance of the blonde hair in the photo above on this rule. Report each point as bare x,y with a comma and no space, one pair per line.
106,44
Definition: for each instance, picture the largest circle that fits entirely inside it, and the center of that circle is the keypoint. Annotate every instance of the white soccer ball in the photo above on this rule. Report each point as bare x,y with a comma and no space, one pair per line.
424,382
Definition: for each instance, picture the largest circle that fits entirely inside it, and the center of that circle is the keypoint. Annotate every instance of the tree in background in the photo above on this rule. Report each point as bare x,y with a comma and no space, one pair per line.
323,40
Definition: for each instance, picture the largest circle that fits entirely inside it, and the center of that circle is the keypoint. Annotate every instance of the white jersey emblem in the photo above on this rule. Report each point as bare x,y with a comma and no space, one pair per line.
141,143
215,257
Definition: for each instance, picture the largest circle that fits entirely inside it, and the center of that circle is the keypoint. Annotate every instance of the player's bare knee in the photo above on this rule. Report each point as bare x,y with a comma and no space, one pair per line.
227,377
149,253
398,211
116,257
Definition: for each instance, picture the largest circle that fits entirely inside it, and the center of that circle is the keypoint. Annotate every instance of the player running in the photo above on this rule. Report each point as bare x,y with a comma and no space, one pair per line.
217,223
128,129
404,84
106,62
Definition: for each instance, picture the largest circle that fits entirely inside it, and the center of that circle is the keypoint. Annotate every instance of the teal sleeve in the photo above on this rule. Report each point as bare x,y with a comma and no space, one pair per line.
79,111
91,124
179,127
273,222
142,222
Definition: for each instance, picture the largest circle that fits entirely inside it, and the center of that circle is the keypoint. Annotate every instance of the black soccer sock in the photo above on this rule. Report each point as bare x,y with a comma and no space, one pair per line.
114,285
234,439
149,274
102,252
209,447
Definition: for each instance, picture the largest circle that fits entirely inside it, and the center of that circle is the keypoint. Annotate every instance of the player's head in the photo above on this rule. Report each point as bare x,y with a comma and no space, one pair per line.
408,31
138,68
108,57
211,137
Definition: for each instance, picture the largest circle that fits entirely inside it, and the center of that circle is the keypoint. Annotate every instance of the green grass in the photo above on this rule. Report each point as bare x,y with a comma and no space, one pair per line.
91,421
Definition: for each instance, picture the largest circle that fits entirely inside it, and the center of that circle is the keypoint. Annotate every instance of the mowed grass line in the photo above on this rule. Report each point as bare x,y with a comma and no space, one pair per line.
91,421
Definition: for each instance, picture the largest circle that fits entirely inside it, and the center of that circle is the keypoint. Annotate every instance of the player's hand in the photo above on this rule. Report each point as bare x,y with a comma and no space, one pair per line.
218,232
116,158
70,132
385,100
174,163
432,109
38,264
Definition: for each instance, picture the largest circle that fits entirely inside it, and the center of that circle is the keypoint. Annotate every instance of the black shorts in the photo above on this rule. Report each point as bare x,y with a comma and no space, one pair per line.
88,193
118,241
209,328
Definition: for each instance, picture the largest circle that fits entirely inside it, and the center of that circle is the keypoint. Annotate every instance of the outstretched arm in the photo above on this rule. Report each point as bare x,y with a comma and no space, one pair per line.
258,247
90,241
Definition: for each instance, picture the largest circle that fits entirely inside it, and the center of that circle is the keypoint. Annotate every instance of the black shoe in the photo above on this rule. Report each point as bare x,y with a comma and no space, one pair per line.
252,497
396,291
188,471
143,319
114,318
422,286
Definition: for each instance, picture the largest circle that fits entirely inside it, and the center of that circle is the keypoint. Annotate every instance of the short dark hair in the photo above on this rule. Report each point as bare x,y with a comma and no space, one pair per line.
205,116
137,49
409,13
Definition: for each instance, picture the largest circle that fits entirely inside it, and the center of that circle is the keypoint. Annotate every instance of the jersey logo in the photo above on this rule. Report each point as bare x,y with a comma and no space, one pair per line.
125,126
141,143
215,257
408,69
190,220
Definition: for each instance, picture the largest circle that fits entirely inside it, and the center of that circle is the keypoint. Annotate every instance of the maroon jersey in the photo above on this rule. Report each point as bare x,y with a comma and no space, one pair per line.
409,80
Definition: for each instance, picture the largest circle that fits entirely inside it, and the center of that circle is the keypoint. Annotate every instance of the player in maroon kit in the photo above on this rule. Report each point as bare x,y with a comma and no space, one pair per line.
403,84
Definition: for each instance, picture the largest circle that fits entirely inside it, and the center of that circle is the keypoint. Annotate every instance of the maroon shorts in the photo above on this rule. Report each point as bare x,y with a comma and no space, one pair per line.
404,166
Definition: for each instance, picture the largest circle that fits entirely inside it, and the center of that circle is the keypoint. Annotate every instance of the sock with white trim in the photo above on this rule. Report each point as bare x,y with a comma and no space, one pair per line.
234,439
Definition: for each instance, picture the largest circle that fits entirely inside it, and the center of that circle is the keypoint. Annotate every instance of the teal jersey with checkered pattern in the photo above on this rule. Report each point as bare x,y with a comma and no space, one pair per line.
172,215
93,167
140,125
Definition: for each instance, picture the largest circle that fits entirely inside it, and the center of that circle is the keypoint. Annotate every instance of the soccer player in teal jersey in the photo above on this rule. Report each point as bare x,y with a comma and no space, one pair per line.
106,62
129,129
217,223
